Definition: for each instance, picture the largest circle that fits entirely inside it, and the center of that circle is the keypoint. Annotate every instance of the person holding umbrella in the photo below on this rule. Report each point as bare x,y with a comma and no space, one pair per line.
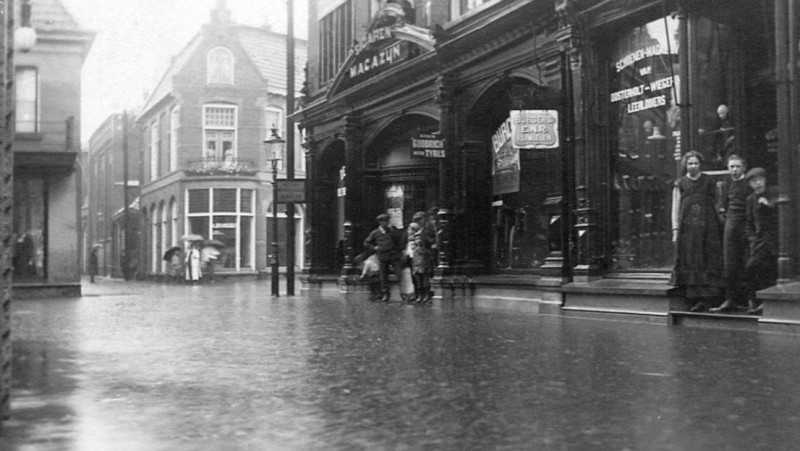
173,256
193,271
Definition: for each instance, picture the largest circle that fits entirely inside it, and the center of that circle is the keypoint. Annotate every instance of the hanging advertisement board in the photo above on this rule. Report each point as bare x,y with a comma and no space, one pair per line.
534,129
506,166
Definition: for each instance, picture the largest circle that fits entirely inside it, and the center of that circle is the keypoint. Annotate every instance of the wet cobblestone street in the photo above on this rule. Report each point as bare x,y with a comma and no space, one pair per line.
225,366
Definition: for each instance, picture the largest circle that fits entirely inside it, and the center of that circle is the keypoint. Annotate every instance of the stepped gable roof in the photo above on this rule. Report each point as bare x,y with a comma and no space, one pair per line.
265,48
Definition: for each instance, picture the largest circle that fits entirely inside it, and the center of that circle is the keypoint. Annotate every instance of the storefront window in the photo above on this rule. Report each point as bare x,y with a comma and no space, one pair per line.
644,97
29,229
234,228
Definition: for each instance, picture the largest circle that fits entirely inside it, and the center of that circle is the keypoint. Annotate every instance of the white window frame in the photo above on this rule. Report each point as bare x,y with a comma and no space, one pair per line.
239,214
155,141
18,93
174,123
222,128
220,66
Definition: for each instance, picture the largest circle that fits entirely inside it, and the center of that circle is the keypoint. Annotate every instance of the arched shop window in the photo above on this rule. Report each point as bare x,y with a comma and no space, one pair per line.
645,103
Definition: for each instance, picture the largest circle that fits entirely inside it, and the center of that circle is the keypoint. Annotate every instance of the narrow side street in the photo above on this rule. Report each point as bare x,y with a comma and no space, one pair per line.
144,366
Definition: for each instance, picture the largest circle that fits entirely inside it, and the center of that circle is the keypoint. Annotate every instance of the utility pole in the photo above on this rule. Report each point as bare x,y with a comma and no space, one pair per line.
290,229
125,200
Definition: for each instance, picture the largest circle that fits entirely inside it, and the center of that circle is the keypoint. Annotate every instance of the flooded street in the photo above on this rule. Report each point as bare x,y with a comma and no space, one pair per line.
225,366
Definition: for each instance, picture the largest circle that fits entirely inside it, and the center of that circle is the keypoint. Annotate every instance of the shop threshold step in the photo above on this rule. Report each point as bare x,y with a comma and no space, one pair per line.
718,316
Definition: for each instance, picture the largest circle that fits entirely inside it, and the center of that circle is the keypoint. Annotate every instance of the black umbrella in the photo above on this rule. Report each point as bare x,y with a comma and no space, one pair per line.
170,252
214,243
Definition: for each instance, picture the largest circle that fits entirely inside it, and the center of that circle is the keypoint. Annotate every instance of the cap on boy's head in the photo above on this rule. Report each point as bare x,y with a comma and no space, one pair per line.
433,211
755,172
382,217
418,215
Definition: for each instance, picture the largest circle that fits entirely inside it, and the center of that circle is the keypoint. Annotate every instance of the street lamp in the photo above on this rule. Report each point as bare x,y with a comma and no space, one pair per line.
273,146
25,35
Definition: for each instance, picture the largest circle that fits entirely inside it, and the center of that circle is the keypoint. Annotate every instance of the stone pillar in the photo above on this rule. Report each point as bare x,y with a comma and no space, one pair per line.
353,217
311,263
6,204
447,174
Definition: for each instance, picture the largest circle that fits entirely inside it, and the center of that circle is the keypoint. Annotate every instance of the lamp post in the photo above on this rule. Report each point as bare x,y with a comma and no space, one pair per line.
274,148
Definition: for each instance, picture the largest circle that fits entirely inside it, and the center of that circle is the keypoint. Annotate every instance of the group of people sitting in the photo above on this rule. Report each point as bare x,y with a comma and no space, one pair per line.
410,253
726,236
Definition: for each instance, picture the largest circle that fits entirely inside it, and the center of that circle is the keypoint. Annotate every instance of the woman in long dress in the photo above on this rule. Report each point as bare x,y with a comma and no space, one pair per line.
193,272
698,270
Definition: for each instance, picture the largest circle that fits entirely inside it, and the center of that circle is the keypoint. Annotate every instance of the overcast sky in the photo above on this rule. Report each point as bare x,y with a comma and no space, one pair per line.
136,39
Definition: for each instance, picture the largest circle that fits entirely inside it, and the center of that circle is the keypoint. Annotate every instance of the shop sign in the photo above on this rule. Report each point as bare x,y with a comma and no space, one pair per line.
427,145
224,225
373,61
506,165
534,129
291,191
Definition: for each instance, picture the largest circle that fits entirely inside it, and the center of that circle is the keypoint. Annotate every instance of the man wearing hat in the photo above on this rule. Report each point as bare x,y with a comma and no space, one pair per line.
383,241
762,233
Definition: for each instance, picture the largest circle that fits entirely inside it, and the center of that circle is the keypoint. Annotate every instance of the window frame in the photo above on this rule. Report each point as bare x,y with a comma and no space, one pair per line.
219,153
36,101
174,123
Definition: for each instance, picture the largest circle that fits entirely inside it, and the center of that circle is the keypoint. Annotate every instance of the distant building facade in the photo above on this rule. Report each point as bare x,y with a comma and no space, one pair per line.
47,173
113,152
202,132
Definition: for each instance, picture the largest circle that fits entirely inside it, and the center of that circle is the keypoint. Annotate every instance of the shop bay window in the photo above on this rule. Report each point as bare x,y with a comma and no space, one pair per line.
645,103
226,215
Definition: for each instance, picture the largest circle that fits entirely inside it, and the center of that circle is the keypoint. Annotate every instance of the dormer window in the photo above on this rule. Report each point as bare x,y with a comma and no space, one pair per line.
220,66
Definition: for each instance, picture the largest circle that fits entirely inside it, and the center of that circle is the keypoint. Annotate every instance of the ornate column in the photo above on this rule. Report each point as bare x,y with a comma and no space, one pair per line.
311,263
447,174
352,131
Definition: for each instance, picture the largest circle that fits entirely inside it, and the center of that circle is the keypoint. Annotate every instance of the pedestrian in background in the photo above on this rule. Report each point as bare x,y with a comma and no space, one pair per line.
698,269
93,264
762,233
193,271
384,243
731,207
424,241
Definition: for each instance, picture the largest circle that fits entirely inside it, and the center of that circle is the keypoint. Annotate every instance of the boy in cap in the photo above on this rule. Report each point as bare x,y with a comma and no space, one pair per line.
384,243
762,233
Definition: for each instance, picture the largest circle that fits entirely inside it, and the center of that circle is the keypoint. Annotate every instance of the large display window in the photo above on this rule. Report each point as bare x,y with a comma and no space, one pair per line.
226,215
646,106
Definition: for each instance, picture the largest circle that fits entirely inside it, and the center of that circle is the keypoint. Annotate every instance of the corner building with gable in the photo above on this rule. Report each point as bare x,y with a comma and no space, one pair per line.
562,125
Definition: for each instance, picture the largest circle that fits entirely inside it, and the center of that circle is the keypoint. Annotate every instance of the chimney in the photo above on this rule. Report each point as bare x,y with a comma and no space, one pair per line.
220,14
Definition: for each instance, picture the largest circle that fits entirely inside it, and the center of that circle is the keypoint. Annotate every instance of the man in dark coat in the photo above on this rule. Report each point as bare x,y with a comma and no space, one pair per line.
384,242
762,233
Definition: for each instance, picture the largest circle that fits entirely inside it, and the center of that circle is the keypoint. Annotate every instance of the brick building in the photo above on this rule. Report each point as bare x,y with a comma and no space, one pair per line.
202,131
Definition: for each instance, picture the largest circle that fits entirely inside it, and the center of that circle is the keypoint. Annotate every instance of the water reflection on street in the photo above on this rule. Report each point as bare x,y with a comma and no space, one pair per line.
225,366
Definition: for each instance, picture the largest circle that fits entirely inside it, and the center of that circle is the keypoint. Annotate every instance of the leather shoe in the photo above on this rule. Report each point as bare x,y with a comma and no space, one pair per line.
726,306
755,308
698,307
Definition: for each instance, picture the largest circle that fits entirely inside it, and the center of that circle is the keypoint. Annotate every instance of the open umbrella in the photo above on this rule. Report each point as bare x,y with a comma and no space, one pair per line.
170,252
191,237
214,243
